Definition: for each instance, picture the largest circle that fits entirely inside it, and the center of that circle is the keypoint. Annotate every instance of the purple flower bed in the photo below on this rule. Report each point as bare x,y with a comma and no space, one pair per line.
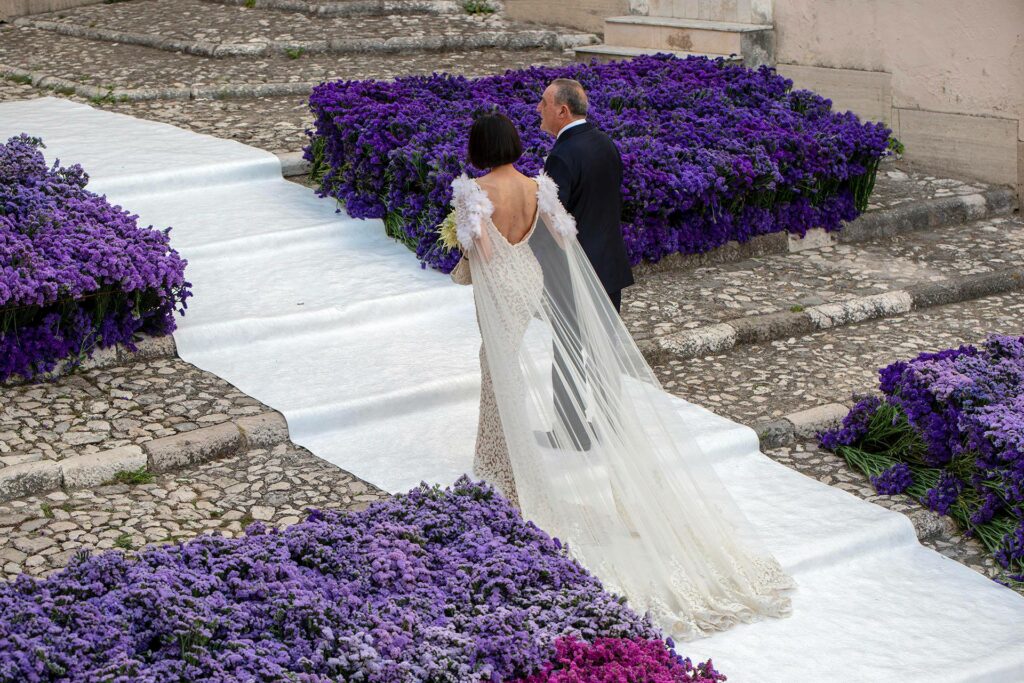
950,431
76,273
712,152
434,585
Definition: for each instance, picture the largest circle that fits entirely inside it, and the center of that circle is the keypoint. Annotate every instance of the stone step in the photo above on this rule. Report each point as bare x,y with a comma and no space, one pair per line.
759,383
214,30
716,308
349,8
114,76
755,42
607,53
753,11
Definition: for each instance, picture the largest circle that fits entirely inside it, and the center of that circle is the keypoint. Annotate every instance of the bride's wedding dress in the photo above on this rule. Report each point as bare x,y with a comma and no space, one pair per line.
615,474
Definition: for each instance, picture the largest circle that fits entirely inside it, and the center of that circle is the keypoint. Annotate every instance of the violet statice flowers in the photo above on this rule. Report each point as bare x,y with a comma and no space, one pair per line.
434,585
76,273
956,440
711,152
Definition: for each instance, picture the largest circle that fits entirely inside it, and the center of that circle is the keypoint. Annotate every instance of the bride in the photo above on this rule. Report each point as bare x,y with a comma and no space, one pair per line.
634,500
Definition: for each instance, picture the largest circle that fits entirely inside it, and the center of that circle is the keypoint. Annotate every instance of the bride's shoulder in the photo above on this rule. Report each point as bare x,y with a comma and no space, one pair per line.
468,193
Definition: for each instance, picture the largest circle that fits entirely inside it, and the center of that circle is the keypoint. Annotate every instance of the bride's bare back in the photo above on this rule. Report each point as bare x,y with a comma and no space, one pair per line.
514,197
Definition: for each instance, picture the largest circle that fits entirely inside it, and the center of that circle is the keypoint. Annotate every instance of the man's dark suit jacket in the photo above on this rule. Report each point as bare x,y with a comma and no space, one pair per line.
586,166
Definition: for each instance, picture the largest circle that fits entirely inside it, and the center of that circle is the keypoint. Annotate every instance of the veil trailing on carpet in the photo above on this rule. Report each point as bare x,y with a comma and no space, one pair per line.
601,460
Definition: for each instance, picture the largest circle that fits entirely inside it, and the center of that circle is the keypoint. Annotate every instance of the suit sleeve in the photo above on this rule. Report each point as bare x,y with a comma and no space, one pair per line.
559,171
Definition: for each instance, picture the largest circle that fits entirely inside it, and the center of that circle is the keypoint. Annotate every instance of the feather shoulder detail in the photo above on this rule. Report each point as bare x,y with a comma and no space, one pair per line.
550,206
472,208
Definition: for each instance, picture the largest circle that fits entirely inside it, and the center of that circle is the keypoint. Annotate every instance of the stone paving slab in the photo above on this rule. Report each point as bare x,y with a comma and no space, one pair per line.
40,534
760,382
127,405
217,30
110,65
664,302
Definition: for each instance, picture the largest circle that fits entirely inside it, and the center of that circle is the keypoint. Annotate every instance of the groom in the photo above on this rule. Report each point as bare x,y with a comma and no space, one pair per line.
586,166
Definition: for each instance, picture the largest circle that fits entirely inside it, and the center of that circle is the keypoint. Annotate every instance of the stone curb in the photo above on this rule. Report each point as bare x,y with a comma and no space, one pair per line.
802,424
901,219
147,348
292,164
357,7
722,337
514,40
160,455
807,423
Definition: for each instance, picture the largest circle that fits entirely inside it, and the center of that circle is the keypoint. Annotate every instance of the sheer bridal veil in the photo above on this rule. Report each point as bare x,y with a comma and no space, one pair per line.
601,459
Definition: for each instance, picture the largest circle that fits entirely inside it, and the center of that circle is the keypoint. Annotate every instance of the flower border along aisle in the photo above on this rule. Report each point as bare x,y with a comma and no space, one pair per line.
949,431
434,585
76,273
712,152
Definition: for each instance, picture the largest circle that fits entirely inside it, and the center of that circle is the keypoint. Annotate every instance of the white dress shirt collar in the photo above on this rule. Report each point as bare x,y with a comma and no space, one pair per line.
567,126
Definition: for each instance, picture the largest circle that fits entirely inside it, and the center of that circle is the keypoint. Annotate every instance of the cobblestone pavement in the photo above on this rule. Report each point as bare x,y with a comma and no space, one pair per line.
757,382
40,534
938,533
193,20
905,183
112,65
105,408
672,300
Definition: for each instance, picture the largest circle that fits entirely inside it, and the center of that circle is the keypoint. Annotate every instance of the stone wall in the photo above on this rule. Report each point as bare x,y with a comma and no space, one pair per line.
947,76
18,8
585,15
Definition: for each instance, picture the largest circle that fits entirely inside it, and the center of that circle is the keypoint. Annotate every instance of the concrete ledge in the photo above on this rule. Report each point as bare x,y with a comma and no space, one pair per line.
92,470
193,448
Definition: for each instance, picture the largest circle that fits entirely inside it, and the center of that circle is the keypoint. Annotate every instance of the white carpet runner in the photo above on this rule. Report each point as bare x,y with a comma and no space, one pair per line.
373,362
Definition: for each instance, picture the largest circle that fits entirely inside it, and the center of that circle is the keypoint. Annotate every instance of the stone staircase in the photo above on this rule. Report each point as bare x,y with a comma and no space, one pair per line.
734,30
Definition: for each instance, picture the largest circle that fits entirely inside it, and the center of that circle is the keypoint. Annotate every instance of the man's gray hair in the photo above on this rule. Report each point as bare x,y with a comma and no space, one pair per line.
571,94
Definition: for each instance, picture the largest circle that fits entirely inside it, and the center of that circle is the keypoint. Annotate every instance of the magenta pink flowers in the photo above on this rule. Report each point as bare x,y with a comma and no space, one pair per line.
620,660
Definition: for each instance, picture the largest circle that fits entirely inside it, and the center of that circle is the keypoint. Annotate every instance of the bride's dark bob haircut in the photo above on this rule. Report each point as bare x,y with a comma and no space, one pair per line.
494,141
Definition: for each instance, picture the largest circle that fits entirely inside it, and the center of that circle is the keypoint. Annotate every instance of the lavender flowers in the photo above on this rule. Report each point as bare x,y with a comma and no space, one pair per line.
950,431
434,585
712,152
76,273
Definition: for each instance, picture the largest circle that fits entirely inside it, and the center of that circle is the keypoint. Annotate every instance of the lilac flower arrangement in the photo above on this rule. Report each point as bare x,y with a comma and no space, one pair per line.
950,431
712,152
432,585
76,273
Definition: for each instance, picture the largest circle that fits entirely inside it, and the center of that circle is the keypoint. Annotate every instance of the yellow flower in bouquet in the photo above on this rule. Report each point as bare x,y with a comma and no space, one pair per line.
449,238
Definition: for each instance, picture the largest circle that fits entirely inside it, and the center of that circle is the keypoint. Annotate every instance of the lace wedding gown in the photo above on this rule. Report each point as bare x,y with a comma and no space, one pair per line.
609,468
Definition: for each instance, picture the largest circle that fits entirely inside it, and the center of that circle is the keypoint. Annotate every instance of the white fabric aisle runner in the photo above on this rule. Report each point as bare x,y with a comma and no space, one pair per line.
373,362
